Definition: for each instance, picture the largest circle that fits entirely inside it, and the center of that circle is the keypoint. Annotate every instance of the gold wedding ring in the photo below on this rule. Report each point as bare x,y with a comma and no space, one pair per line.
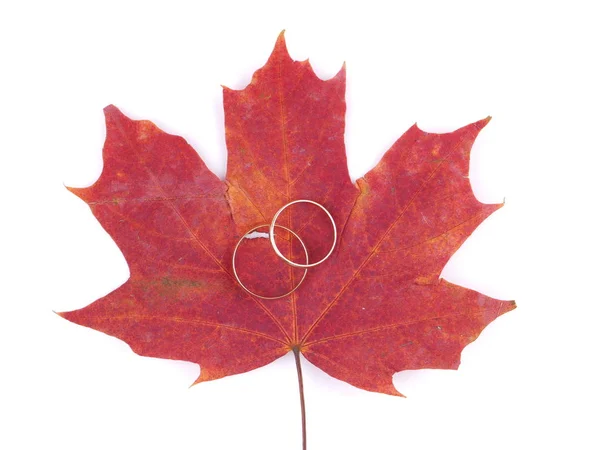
274,245
240,281
272,227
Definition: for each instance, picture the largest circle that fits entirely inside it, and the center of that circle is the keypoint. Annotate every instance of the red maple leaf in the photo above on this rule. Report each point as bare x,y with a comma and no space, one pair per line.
375,307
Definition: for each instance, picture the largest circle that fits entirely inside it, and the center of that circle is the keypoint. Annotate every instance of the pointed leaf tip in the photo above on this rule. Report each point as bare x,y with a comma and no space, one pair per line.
341,74
110,109
507,306
396,393
79,192
111,112
67,315
196,382
390,389
483,122
477,126
281,38
280,48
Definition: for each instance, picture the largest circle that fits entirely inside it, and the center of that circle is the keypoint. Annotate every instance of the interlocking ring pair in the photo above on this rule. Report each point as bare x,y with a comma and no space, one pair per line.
272,227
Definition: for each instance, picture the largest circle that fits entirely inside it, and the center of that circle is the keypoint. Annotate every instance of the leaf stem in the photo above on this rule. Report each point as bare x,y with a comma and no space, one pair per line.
296,351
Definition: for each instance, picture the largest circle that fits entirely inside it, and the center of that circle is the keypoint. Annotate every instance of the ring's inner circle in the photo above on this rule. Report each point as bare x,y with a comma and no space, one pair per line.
259,270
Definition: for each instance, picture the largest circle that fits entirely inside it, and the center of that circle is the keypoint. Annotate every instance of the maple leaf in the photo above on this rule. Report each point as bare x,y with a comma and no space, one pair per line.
375,307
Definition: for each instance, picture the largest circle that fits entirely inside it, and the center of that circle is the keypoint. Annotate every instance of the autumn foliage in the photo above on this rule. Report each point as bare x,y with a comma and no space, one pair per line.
375,307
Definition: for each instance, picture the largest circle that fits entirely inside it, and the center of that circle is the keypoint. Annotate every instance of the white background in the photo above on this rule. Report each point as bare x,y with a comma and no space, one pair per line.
529,381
